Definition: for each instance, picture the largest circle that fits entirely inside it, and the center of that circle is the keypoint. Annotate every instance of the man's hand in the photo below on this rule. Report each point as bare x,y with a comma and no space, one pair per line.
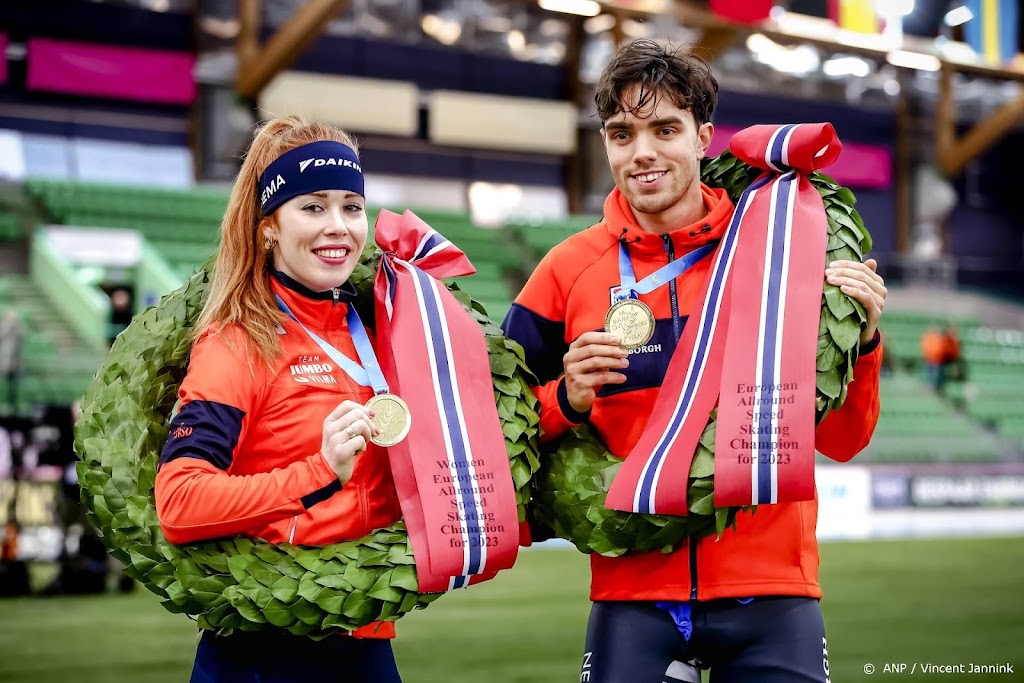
861,282
589,365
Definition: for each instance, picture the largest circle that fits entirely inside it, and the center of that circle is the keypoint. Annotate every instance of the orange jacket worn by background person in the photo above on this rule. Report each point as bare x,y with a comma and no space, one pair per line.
772,552
933,347
243,452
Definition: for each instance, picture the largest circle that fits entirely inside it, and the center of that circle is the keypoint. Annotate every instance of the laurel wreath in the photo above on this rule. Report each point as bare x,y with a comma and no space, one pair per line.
243,583
247,584
570,489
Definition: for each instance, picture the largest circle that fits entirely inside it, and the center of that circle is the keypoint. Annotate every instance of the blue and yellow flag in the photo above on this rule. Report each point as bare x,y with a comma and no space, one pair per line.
994,29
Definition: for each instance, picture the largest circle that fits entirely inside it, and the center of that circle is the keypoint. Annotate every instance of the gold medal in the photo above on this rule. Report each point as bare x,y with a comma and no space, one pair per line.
632,321
392,418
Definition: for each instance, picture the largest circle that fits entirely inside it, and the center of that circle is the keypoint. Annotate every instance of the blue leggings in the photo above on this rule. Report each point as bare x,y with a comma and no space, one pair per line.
279,657
767,640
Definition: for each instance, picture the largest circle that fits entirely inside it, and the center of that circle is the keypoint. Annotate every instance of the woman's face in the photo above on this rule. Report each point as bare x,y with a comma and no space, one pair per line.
319,237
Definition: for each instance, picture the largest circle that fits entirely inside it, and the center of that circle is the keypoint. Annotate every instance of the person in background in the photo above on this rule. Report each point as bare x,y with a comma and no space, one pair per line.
744,605
272,439
12,339
120,312
953,360
933,358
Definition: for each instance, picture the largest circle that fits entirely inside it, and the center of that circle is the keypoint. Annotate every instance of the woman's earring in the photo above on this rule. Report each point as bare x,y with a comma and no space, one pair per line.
269,243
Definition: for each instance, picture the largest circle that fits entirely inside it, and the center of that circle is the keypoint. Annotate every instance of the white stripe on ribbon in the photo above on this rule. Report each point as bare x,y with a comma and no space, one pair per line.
794,186
785,145
423,240
771,144
697,363
432,345
787,250
443,243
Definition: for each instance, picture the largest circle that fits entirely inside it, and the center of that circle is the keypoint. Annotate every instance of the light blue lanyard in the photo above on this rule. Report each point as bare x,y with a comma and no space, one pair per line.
662,276
367,371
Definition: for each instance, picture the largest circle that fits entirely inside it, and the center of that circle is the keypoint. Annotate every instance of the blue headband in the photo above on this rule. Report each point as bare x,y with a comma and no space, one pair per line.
324,165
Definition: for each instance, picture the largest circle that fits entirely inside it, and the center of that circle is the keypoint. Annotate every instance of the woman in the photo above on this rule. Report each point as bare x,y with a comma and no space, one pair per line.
272,438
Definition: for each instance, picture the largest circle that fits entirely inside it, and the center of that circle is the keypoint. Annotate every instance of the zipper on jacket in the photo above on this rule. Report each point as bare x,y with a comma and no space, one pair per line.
364,503
693,568
677,329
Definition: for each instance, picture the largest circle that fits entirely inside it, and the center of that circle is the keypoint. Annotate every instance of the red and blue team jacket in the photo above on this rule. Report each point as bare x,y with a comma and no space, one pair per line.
772,552
243,452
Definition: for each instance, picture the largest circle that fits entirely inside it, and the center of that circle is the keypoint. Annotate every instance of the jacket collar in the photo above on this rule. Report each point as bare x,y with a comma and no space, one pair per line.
347,291
622,224
315,310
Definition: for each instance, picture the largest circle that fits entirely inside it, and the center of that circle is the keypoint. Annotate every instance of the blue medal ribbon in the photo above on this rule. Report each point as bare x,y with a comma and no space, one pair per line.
630,288
365,373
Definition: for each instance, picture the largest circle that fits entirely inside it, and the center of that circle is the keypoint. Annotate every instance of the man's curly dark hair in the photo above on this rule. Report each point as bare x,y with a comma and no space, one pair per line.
657,71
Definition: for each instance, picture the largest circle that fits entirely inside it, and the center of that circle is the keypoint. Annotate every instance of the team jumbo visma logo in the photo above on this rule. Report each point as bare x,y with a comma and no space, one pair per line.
313,373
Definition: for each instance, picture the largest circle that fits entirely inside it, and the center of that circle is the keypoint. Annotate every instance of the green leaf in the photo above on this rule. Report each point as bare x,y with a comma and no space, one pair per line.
503,365
285,589
828,358
845,333
704,505
846,197
828,383
839,304
703,464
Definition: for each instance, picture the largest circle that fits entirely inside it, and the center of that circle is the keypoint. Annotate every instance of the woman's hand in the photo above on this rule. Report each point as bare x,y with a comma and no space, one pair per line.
347,431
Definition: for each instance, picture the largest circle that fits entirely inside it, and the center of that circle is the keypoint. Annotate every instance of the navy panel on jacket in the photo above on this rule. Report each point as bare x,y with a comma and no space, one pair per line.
321,495
206,430
543,341
649,363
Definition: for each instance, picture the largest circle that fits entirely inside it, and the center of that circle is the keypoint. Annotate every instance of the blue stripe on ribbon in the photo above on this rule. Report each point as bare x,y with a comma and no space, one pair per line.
449,408
435,240
765,400
645,502
389,273
778,145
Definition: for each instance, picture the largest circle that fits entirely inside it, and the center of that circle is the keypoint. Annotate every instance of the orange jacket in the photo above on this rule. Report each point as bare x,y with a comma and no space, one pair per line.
772,552
933,347
243,452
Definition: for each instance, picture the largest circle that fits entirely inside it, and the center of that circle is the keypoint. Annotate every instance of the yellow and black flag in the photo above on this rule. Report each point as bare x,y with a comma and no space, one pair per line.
852,15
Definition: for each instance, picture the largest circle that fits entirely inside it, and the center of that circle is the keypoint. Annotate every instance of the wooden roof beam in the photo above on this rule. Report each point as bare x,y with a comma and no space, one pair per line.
257,66
954,153
713,40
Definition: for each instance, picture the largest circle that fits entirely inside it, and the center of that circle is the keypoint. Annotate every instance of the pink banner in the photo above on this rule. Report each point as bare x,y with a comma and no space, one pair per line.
859,165
3,58
105,71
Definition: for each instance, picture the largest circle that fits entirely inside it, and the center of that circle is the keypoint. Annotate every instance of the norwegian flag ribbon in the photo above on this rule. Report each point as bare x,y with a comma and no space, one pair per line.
760,310
452,472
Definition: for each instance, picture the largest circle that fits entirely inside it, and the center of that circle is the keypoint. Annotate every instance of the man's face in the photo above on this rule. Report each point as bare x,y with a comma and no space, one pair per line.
655,154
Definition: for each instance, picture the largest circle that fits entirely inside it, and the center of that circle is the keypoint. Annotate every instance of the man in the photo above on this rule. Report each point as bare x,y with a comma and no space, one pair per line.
12,338
746,605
